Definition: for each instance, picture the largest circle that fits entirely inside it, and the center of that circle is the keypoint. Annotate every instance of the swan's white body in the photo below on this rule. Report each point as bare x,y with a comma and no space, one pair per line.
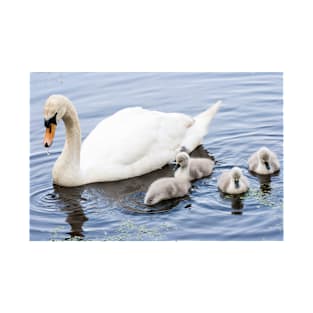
227,182
131,142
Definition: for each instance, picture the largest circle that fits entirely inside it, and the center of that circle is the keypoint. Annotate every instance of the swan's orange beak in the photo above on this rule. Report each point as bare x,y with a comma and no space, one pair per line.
49,135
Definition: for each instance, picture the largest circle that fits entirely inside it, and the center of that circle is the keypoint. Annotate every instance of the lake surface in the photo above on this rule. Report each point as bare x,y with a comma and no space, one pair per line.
251,116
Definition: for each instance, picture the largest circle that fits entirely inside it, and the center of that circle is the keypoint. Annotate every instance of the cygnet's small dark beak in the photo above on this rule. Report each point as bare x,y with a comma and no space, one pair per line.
177,166
236,183
267,166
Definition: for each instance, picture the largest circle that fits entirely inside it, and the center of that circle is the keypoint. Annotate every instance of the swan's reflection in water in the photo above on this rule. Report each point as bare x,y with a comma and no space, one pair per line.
70,199
236,202
127,195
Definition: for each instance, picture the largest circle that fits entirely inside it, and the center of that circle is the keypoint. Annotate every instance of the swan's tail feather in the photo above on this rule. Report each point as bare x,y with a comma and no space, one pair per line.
209,113
200,128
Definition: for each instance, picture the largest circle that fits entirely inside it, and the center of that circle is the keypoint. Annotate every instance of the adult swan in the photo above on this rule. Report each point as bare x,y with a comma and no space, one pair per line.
129,143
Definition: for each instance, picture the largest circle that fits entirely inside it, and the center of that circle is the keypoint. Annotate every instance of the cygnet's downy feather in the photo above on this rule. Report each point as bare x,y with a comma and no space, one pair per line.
193,168
233,181
264,162
166,188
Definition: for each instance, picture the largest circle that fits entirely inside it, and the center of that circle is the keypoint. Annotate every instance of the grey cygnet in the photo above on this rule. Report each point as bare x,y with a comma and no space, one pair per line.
263,162
233,182
193,168
167,188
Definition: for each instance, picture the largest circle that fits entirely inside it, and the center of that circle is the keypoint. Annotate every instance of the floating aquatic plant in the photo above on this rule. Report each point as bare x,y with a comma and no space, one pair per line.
264,198
128,230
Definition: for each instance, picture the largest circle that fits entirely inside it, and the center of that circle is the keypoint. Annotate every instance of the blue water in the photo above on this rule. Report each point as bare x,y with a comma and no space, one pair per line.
251,117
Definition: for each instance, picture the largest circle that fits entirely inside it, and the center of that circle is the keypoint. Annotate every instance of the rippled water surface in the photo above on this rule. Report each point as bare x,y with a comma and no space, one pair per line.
251,116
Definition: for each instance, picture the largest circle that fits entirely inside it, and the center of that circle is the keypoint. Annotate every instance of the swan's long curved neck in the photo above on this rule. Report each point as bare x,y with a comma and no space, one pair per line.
71,151
67,168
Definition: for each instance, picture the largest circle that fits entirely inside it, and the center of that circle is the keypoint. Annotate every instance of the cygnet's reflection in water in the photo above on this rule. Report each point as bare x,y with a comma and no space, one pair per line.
265,182
127,195
236,202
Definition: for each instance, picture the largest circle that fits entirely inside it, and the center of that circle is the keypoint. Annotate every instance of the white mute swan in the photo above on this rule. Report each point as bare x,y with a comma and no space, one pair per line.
233,181
263,162
167,188
129,143
193,168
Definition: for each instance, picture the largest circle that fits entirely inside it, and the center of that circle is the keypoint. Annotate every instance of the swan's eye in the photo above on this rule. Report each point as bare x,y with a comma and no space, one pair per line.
52,120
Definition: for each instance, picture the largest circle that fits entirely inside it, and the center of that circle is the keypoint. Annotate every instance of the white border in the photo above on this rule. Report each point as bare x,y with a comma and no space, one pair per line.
155,36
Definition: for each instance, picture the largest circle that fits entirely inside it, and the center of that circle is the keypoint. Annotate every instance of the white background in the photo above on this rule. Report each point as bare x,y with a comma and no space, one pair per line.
155,36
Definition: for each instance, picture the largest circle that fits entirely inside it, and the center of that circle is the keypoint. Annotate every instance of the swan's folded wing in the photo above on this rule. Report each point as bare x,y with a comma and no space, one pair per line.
133,142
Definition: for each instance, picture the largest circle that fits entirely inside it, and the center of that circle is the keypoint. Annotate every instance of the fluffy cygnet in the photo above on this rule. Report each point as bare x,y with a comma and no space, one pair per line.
233,181
193,168
263,162
167,188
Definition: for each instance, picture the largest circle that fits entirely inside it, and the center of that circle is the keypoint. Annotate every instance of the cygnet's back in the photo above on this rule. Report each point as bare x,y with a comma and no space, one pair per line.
166,188
263,162
193,168
233,181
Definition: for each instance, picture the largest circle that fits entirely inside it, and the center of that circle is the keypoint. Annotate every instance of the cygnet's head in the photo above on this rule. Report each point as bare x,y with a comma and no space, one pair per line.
236,173
182,159
264,155
151,199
